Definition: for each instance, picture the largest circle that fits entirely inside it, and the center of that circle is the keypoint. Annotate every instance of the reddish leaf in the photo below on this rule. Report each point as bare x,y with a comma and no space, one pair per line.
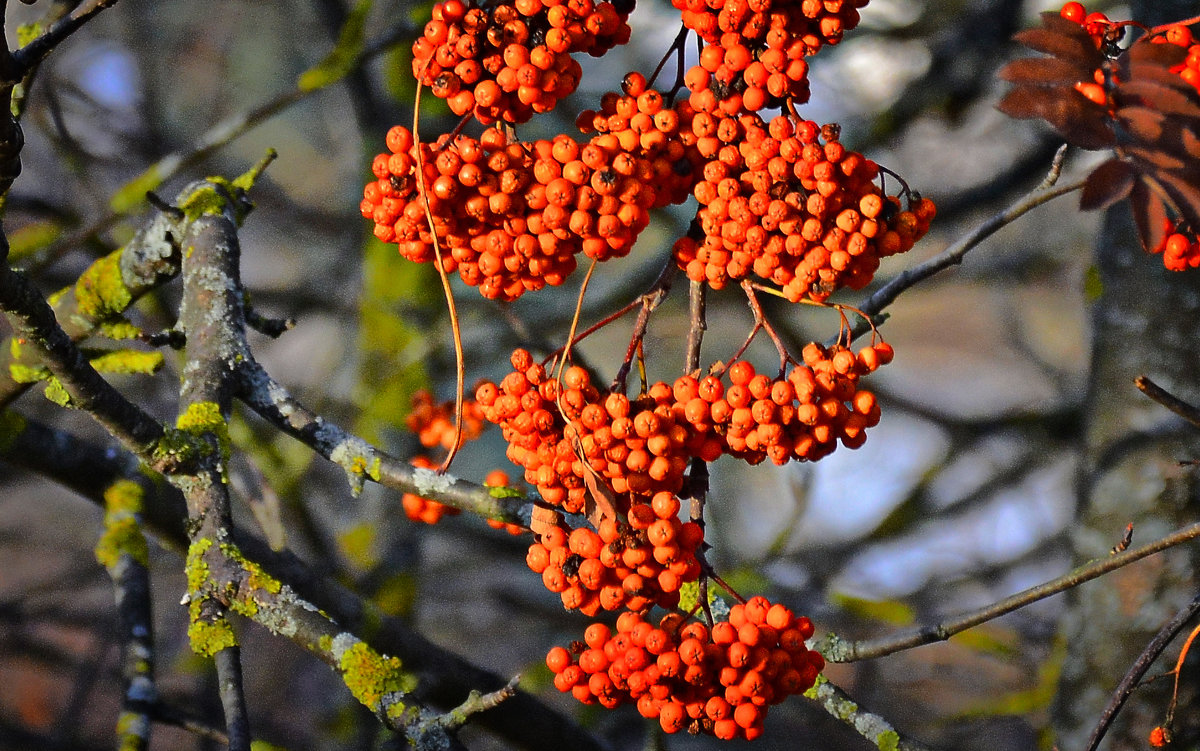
1152,159
1044,71
1190,143
1108,183
1081,122
1156,74
1156,96
1143,124
1163,55
1062,39
1184,194
1149,214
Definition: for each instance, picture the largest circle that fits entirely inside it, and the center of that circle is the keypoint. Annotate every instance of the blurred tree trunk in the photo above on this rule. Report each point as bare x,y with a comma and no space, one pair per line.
1146,321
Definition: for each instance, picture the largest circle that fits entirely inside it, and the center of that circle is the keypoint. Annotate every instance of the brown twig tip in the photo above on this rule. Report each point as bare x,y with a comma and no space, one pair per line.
1165,398
476,703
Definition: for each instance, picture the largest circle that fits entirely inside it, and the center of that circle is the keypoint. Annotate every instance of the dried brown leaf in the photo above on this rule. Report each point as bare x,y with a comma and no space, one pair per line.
1149,159
600,503
1142,123
542,520
1107,184
1044,71
1149,214
1159,97
1062,39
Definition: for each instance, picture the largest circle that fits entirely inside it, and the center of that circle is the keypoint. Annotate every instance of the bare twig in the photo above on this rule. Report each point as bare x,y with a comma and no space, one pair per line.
835,649
1130,682
33,53
1151,389
954,254
233,698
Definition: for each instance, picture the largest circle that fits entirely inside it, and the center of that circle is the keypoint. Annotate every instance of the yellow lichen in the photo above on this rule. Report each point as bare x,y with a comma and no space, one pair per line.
100,292
122,529
372,677
208,637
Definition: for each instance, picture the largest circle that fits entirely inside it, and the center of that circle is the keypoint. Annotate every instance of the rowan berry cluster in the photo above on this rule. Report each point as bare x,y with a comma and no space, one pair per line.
509,60
753,51
801,416
564,434
635,560
1179,250
646,126
779,197
788,202
718,681
433,422
509,217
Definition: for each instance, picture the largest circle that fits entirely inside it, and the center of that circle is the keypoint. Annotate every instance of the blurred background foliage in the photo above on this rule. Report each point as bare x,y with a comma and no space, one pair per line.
965,492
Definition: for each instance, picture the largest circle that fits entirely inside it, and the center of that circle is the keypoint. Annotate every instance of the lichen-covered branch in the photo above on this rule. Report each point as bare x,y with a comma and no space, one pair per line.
835,649
363,461
878,731
445,678
33,324
123,552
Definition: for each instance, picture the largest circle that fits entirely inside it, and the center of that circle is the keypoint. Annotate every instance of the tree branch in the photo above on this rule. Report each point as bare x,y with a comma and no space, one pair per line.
33,53
836,649
953,255
1130,682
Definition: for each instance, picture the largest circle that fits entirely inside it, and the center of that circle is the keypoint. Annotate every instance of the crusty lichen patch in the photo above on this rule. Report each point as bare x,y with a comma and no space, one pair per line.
101,292
378,682
122,527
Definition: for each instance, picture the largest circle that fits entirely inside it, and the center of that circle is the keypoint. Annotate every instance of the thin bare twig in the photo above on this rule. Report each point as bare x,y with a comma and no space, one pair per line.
1130,682
953,255
1151,389
835,649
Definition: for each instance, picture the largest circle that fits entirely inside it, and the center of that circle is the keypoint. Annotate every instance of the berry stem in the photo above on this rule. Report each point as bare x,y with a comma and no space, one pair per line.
676,47
649,302
760,320
451,308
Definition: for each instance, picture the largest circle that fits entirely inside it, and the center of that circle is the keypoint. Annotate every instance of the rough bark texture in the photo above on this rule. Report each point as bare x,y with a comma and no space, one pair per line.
1145,322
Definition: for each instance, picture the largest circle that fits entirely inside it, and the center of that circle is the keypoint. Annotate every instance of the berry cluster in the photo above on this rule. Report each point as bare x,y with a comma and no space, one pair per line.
1179,251
753,52
801,416
509,217
635,561
646,126
508,60
433,422
789,203
718,681
562,435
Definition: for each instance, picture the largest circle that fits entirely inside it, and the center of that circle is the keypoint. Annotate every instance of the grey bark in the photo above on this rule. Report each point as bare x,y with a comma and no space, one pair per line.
1145,322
